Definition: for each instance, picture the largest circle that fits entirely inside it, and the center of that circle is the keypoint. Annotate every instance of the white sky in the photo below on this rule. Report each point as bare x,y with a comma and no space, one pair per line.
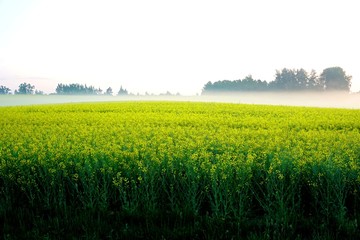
175,46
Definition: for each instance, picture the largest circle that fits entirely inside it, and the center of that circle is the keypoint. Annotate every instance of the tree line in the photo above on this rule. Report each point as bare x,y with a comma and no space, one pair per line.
331,79
63,89
24,88
74,89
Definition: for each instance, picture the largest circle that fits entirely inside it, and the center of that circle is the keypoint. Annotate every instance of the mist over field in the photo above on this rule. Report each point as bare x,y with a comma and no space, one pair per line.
311,99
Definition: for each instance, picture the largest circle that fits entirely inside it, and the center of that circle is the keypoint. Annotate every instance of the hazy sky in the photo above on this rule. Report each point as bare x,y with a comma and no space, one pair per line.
175,46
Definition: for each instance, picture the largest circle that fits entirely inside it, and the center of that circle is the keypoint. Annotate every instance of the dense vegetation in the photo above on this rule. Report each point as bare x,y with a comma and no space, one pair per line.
179,170
76,89
4,90
331,79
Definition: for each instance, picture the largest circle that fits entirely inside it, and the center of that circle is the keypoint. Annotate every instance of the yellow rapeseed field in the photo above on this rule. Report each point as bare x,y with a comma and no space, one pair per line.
281,167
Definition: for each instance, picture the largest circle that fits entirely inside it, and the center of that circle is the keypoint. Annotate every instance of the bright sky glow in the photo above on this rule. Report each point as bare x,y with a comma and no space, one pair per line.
177,46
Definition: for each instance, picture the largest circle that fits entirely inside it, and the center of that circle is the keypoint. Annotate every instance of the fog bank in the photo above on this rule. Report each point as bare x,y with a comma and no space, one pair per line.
329,100
310,99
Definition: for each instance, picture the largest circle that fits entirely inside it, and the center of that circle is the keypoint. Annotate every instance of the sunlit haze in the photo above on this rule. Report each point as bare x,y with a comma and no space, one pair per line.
177,46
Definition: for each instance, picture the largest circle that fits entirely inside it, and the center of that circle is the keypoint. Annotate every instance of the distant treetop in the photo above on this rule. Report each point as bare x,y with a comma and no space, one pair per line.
330,79
76,89
5,90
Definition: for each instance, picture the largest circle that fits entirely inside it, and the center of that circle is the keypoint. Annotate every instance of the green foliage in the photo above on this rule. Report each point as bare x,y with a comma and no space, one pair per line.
335,78
38,92
287,80
296,80
76,89
246,84
109,91
122,91
25,88
4,90
180,171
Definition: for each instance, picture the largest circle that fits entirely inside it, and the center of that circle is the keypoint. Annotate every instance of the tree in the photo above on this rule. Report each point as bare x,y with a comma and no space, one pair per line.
122,91
166,94
245,85
25,88
302,79
76,89
98,91
250,84
109,91
335,78
314,82
286,80
208,87
39,92
4,90
296,80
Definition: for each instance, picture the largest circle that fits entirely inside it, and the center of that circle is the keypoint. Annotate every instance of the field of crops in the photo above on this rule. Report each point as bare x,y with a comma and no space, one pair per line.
167,170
